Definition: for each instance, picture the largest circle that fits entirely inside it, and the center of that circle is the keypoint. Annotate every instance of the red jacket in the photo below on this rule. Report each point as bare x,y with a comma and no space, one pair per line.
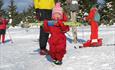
4,23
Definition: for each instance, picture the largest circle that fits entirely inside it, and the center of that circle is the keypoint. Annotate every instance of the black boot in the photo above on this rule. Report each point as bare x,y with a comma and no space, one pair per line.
58,62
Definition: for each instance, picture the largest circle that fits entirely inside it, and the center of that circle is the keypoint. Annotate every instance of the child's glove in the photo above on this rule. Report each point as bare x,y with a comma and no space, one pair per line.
51,23
59,23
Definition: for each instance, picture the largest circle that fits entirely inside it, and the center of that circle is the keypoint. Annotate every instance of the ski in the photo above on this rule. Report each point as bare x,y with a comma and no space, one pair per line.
97,46
108,45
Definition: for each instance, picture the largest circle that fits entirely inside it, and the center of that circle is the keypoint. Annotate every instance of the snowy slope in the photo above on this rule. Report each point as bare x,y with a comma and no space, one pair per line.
21,55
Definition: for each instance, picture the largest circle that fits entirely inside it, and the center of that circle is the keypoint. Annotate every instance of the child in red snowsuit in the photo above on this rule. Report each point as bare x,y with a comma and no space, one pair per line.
3,23
57,40
94,40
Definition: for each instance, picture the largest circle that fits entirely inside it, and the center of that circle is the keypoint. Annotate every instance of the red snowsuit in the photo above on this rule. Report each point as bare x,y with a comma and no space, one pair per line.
4,23
57,41
3,29
94,41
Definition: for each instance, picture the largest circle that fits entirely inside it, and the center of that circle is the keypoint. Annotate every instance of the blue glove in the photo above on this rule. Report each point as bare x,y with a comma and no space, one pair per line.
51,23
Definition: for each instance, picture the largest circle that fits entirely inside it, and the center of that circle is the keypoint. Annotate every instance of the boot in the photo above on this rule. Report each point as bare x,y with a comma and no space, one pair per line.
58,62
87,44
43,52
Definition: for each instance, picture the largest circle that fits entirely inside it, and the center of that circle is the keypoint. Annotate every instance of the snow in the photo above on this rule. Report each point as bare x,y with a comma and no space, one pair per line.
21,55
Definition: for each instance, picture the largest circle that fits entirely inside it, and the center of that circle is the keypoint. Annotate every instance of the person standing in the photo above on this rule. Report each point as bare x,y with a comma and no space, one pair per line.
93,18
44,11
3,24
57,40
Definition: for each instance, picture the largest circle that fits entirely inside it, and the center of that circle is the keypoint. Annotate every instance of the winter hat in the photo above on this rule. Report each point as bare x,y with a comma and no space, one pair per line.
57,9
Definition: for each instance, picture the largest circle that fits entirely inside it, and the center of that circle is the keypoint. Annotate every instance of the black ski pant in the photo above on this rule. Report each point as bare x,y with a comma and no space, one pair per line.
43,37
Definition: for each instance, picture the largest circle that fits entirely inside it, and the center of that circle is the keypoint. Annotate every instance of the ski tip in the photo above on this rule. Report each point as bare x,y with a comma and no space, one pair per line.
75,47
80,46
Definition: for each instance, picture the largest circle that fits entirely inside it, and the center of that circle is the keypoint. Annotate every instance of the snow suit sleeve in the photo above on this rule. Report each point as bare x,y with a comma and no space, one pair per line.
45,25
64,17
91,15
64,28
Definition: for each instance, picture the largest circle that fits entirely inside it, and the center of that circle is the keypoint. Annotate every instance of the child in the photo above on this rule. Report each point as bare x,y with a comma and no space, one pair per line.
3,23
57,40
94,40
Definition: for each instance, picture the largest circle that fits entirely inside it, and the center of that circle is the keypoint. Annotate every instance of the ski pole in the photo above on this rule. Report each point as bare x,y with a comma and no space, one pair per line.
10,36
69,23
37,26
0,39
82,32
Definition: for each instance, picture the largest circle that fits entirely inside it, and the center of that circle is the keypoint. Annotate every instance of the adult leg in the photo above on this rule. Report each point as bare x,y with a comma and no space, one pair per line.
3,35
43,37
0,35
49,14
0,38
3,38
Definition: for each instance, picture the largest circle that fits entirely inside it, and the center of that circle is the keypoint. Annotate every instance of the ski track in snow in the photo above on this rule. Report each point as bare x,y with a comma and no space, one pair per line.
20,54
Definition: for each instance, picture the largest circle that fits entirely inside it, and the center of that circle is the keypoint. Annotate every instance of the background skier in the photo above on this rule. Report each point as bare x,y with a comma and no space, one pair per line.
94,40
3,24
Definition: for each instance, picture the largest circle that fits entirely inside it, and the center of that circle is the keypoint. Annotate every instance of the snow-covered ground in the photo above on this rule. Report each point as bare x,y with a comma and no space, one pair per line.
22,55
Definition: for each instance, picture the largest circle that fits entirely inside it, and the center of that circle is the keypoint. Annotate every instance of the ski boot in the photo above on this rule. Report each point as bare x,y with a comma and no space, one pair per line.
43,52
57,62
